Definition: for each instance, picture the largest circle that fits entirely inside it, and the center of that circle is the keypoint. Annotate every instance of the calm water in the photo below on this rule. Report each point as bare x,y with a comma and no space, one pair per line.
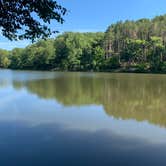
87,119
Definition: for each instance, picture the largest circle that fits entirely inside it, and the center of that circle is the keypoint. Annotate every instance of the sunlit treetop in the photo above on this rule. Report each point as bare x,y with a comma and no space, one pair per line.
29,19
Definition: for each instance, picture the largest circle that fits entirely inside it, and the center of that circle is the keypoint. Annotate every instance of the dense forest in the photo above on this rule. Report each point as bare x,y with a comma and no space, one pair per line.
131,46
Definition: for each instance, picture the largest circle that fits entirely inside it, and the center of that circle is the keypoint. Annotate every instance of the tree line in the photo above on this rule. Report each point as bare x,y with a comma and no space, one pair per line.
138,46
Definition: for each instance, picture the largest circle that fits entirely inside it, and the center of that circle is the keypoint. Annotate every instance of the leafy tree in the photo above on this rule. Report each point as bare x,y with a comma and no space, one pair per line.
75,51
4,60
15,58
134,51
98,59
112,63
138,46
24,19
156,51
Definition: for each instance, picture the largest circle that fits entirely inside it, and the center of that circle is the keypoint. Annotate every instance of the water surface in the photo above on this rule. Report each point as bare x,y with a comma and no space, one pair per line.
57,118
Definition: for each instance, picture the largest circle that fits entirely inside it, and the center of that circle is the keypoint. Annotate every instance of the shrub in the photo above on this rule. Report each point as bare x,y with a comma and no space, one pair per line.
112,63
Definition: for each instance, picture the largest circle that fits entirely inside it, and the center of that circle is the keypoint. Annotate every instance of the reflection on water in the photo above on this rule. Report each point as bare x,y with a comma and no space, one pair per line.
139,97
82,118
54,145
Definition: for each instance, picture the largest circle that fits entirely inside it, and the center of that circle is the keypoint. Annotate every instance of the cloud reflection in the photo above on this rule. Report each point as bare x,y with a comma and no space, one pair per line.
52,144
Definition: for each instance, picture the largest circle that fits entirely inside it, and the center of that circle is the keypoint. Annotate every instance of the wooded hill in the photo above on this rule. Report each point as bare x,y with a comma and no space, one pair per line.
138,46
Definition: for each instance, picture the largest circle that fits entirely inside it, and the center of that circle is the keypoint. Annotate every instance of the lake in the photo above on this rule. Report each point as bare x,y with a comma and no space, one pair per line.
82,119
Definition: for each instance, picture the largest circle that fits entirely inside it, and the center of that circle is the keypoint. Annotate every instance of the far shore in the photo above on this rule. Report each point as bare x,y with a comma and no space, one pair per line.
119,70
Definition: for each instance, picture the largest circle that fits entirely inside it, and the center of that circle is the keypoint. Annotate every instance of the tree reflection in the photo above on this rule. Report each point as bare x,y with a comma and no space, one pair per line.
139,97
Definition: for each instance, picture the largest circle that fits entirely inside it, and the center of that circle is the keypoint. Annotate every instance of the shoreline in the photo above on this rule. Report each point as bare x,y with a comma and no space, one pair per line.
120,70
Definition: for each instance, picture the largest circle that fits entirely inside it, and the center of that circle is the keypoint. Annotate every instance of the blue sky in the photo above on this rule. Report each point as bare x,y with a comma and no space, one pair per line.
97,15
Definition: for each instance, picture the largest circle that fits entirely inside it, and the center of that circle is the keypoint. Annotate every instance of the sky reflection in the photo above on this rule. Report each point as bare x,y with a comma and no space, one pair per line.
53,144
43,124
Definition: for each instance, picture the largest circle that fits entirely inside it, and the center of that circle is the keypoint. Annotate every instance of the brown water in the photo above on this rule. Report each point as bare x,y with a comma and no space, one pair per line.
56,118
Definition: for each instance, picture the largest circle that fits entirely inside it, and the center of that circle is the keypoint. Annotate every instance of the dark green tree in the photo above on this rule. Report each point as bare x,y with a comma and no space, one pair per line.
29,19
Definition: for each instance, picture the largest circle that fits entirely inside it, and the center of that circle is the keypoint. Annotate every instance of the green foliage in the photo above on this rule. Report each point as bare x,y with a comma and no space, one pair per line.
15,58
29,19
142,67
79,51
37,56
138,46
138,42
163,67
4,59
156,51
98,58
69,51
112,63
134,50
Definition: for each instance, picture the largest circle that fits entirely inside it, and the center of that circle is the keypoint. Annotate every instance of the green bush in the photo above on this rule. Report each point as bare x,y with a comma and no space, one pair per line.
143,67
163,67
112,63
